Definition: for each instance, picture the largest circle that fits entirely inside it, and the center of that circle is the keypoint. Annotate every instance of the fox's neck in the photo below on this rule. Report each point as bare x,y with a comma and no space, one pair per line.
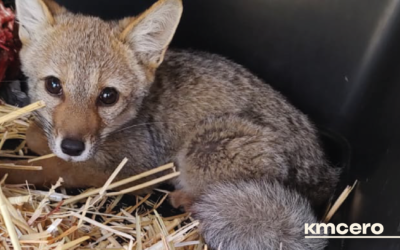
145,141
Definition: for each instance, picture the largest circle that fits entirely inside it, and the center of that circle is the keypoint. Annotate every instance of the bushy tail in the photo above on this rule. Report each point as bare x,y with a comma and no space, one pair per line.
255,215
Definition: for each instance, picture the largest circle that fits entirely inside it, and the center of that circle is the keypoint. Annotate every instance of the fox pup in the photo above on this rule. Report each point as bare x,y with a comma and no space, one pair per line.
251,165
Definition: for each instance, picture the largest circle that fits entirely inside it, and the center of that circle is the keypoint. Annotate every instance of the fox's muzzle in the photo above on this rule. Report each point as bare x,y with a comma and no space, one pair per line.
75,130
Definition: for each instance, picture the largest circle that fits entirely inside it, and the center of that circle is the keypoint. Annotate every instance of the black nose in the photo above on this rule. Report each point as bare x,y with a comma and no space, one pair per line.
72,147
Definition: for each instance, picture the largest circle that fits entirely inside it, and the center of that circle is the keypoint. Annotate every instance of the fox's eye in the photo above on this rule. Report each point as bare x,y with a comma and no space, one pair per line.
53,85
108,96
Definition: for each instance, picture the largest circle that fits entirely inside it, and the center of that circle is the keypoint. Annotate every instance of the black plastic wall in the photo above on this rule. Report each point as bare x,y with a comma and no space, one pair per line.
337,60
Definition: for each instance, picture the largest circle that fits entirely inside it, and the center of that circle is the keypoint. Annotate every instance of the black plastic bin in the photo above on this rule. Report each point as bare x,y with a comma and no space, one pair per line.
336,60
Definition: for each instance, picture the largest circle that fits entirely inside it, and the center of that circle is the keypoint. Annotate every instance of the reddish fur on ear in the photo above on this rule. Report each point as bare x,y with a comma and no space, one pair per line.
49,15
53,8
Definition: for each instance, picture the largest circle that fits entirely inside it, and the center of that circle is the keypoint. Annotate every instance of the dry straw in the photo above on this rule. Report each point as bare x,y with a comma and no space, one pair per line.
94,219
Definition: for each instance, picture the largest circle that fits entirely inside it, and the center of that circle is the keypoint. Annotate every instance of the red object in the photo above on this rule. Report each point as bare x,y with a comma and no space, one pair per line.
8,45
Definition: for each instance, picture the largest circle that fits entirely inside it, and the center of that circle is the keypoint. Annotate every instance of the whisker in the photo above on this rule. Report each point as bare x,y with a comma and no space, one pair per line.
133,126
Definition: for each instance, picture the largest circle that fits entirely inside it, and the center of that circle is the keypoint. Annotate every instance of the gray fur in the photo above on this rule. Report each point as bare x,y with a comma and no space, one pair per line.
255,215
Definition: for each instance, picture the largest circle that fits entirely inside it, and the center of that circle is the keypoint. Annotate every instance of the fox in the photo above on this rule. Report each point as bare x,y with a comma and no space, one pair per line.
252,166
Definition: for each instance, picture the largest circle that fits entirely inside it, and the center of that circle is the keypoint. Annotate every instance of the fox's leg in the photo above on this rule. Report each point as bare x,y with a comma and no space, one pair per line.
74,175
181,199
36,140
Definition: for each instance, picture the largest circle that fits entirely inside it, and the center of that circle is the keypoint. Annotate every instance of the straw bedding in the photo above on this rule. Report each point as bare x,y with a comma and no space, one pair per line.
91,219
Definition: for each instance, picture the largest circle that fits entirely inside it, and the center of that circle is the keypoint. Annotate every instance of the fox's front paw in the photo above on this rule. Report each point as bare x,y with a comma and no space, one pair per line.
37,140
181,199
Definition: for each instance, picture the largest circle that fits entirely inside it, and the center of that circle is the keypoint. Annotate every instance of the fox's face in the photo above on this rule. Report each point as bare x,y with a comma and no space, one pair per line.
92,74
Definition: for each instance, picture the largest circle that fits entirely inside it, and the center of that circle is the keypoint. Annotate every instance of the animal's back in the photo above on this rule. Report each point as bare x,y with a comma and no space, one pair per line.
195,95
250,162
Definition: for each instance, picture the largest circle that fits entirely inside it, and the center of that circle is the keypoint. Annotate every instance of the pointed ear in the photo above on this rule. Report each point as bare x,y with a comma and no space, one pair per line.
34,15
150,34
